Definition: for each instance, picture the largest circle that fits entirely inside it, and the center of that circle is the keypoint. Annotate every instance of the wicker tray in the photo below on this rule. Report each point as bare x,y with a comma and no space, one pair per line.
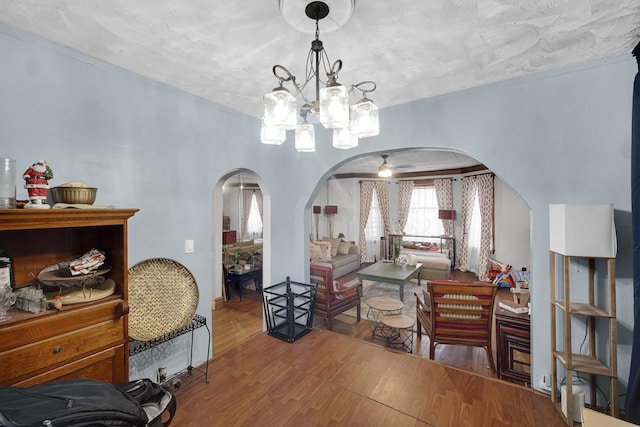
163,297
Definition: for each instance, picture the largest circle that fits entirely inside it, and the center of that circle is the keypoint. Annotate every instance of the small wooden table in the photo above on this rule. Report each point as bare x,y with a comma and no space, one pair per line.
380,306
240,277
388,272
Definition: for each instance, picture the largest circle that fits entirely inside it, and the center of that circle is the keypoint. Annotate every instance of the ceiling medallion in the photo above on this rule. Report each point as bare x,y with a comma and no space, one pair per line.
295,15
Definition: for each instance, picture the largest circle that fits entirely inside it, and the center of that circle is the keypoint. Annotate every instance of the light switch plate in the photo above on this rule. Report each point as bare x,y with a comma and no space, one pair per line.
188,246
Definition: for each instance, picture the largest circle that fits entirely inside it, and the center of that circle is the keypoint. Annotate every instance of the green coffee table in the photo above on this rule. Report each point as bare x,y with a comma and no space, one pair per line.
389,272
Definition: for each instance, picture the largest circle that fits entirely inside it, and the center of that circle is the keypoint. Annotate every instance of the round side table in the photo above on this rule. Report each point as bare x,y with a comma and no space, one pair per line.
380,306
398,330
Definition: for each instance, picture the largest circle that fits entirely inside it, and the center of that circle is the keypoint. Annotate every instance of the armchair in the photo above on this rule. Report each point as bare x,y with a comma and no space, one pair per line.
331,298
457,313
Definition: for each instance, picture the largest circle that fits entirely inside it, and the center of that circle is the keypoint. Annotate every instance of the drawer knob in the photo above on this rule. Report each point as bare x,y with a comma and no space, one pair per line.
57,350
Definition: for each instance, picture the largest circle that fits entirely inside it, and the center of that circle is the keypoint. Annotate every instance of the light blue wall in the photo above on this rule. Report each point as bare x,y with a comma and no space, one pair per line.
554,137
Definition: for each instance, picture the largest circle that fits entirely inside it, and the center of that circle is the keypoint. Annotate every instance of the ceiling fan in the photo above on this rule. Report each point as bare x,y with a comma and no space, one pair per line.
385,171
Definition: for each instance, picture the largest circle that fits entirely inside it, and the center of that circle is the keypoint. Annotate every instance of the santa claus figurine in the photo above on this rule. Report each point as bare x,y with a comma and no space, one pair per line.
36,181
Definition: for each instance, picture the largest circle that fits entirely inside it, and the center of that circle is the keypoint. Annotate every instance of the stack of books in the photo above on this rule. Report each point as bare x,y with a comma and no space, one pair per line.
513,307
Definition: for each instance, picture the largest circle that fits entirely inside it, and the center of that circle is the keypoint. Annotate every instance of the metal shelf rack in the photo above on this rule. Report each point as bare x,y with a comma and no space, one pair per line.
197,322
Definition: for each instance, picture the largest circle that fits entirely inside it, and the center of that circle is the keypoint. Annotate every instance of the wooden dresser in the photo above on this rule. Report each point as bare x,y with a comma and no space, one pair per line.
88,340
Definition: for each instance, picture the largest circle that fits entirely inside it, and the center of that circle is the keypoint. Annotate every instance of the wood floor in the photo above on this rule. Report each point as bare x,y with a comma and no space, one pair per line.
342,377
329,379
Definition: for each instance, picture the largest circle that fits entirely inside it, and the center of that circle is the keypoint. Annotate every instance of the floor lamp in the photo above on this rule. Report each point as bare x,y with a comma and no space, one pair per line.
316,214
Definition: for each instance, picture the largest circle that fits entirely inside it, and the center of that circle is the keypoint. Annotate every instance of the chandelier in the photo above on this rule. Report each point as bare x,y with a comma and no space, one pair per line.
331,103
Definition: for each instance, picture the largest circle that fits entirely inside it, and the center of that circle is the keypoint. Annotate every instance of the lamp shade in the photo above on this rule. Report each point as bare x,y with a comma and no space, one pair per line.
330,210
447,214
316,209
582,230
229,237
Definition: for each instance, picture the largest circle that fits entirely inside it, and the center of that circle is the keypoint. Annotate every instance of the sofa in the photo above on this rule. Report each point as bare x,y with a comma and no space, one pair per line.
343,256
436,265
242,250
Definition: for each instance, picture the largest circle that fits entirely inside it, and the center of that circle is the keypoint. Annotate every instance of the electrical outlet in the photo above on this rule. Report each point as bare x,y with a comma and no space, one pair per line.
188,246
545,383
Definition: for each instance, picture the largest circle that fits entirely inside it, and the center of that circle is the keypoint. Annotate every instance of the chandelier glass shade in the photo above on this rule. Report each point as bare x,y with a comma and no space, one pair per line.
331,103
364,119
273,135
334,107
344,139
305,138
280,108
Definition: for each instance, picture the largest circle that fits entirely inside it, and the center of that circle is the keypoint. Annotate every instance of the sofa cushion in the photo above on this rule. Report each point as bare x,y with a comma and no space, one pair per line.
315,252
342,260
325,247
343,248
335,242
436,263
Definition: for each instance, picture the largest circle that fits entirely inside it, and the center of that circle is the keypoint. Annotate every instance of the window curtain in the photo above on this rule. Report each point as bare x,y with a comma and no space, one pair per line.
259,199
246,208
482,186
468,195
382,190
444,195
404,202
366,194
632,407
485,197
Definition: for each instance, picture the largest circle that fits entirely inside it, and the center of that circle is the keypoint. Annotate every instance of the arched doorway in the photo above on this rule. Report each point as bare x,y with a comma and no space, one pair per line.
241,233
341,188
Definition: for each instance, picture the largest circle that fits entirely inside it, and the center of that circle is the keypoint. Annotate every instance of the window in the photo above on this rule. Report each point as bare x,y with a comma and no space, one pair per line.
423,213
373,230
254,224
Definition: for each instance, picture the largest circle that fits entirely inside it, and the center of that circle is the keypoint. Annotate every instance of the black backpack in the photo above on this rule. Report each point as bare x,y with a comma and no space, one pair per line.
84,402
155,400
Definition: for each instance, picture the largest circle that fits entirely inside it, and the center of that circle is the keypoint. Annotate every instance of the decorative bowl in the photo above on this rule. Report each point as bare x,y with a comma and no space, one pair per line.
74,195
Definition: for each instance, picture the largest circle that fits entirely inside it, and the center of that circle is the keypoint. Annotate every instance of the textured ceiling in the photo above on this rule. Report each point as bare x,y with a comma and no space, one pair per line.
224,50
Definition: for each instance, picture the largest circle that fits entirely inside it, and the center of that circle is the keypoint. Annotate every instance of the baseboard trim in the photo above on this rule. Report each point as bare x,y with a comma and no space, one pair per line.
217,303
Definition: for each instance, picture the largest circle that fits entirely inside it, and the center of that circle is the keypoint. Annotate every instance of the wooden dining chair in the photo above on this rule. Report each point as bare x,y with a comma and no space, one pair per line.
457,313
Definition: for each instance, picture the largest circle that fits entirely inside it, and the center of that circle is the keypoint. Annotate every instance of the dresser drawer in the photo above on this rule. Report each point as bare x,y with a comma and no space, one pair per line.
53,352
35,328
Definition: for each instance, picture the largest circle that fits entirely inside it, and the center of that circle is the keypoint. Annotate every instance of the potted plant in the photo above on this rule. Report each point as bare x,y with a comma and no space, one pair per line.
245,257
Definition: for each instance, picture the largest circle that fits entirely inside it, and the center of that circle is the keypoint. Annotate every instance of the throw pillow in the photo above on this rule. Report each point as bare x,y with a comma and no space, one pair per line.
325,247
334,244
343,248
315,252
